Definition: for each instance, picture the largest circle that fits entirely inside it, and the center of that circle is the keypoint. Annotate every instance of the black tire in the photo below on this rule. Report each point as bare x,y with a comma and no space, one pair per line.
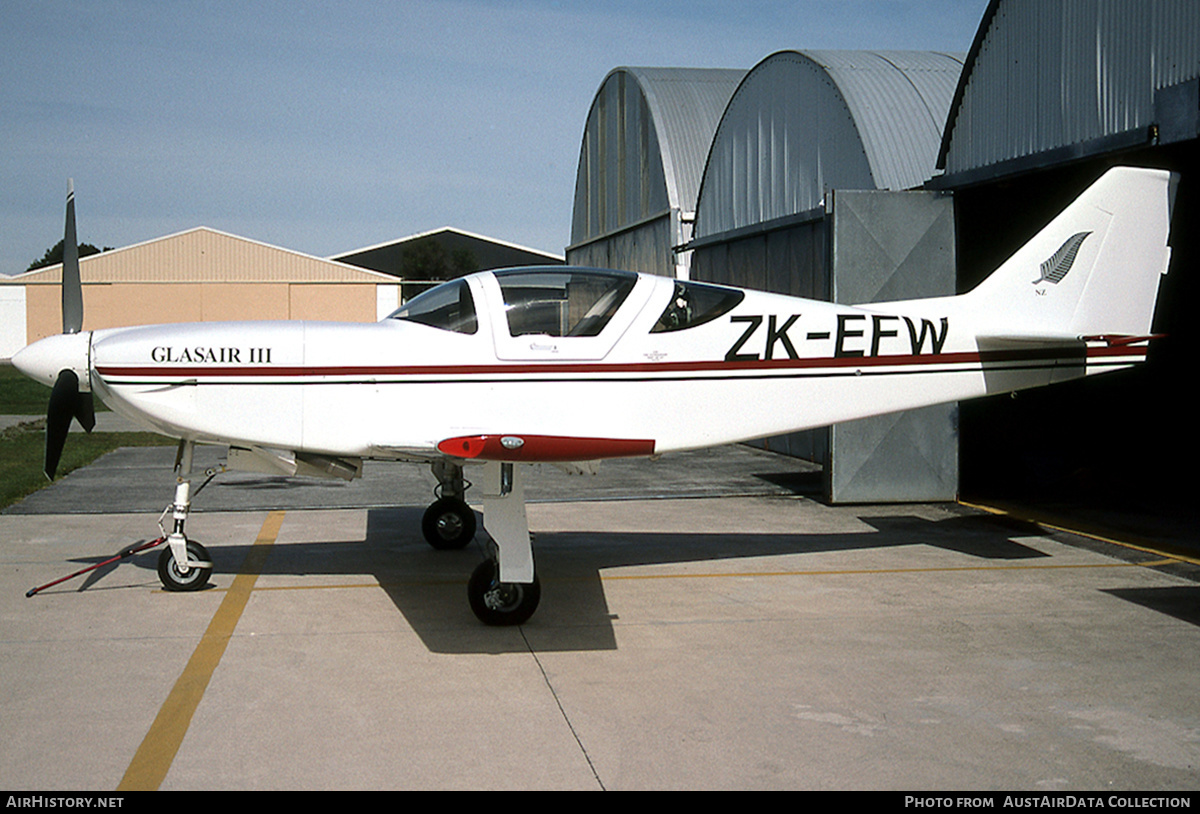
499,603
448,524
194,579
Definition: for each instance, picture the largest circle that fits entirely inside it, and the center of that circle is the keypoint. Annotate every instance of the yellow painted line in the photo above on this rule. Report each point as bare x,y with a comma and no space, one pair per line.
864,571
734,574
1171,554
341,586
345,586
156,754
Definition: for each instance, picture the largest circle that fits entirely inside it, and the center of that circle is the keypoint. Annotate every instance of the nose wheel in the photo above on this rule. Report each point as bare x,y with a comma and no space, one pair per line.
189,577
184,564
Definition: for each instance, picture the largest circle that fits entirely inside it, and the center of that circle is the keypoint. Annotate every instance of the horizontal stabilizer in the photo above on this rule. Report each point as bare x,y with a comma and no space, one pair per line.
1028,340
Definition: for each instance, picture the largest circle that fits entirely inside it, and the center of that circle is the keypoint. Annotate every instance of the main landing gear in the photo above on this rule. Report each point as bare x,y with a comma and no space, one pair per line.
504,589
184,564
501,603
449,523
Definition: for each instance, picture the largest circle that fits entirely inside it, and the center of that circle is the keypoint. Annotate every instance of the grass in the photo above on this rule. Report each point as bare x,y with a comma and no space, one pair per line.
20,395
23,446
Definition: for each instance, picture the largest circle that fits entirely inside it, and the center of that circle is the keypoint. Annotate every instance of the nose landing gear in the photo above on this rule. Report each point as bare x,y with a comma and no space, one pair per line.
184,564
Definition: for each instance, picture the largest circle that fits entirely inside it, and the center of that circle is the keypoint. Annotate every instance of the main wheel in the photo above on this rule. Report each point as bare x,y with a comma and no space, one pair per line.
501,603
195,578
448,524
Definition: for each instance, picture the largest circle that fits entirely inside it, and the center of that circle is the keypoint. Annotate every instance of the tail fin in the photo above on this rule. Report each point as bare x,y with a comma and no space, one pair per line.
1094,270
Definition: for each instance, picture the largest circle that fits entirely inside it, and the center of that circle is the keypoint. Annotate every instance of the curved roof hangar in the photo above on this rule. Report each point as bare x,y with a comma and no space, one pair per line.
1055,81
644,145
802,122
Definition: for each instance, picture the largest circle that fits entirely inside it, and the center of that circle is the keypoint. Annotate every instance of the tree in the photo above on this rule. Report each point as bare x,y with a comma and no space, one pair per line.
54,256
430,260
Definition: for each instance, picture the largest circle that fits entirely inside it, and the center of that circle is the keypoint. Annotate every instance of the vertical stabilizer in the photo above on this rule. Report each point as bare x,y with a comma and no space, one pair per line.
1094,270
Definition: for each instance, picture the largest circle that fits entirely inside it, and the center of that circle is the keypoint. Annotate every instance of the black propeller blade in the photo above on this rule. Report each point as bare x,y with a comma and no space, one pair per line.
66,399
72,289
66,402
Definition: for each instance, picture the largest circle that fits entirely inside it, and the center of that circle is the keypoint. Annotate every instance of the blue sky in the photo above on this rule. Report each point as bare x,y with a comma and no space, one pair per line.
324,127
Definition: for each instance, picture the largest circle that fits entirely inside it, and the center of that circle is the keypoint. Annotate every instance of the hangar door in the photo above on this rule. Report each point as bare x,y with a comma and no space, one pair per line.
892,246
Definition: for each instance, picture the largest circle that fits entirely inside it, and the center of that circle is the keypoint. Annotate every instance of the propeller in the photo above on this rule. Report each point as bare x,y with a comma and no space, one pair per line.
67,400
72,289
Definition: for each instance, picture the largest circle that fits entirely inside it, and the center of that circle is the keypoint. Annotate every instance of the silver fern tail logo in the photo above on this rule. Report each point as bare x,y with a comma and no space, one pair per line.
1057,266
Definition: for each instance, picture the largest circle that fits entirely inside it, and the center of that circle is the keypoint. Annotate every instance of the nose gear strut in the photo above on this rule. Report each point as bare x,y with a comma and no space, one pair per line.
187,570
185,564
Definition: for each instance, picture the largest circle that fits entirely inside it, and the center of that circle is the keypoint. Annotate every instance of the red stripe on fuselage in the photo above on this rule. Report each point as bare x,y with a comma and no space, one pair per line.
651,368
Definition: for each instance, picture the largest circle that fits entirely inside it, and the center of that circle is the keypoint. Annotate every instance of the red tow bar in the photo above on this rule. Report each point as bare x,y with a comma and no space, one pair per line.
124,553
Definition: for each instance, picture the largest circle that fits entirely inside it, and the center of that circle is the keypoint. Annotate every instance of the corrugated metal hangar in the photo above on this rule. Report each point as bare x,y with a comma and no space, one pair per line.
645,142
805,193
762,150
860,176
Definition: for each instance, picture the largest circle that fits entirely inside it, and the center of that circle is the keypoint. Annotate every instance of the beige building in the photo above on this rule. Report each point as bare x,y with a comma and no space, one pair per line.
200,275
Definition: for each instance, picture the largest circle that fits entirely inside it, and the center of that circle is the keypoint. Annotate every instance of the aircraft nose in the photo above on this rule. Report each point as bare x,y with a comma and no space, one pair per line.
45,359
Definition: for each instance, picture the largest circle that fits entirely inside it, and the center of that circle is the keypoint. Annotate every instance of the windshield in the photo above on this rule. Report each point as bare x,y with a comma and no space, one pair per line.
449,306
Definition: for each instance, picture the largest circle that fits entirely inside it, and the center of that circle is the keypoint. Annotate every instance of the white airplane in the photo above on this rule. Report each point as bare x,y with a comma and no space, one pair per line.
563,364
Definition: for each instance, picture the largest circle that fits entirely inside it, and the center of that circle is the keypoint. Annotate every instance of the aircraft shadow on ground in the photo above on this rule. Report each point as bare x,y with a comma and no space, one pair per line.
1179,601
429,587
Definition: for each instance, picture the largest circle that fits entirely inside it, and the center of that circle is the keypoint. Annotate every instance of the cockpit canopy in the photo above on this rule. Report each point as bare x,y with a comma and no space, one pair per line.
567,302
563,301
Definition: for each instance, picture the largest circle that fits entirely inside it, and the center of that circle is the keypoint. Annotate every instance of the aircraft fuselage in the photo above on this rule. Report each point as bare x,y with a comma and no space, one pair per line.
770,364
